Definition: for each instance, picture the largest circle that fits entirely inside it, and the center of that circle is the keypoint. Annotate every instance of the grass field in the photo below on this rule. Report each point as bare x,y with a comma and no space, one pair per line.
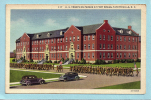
132,85
109,65
15,76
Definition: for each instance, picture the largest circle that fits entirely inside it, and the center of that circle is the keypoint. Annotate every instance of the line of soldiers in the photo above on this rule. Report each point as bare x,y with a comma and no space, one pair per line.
32,66
59,68
104,70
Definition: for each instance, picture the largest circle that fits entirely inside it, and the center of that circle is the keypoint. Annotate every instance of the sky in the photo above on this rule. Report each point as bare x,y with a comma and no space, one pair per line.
33,21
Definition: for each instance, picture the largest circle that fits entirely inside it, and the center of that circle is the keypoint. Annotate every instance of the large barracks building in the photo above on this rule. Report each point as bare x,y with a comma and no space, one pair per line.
91,42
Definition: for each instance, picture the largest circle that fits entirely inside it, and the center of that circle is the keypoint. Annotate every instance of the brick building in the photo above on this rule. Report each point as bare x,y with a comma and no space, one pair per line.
91,42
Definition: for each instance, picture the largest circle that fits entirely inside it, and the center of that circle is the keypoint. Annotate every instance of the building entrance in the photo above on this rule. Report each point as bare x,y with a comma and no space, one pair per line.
71,52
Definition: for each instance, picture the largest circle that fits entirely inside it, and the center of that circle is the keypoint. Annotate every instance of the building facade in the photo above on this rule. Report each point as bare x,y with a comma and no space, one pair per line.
91,42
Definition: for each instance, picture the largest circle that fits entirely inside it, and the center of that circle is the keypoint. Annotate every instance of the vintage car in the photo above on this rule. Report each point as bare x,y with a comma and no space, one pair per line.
31,79
69,76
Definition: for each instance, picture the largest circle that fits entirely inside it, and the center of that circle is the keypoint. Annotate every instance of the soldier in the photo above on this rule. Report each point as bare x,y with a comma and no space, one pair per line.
137,72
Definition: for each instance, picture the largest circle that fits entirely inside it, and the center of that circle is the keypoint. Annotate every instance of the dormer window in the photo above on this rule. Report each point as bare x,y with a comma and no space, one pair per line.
121,31
48,35
60,32
37,36
129,32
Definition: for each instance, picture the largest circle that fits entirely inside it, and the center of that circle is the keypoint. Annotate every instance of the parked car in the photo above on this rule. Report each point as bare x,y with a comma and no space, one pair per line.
69,76
31,79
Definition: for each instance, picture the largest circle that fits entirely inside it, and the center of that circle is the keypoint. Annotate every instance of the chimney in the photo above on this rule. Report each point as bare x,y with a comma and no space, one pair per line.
105,21
129,27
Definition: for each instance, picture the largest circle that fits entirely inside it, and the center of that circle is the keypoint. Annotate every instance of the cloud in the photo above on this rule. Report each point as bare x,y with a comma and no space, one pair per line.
73,19
51,22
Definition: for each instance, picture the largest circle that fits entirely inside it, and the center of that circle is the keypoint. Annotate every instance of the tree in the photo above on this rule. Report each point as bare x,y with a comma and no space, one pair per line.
14,51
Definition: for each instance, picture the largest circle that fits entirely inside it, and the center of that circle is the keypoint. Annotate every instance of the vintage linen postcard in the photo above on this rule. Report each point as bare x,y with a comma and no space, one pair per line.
76,48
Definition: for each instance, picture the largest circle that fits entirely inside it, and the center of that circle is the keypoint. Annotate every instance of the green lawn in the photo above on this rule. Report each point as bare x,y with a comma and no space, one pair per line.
132,85
109,65
15,76
11,60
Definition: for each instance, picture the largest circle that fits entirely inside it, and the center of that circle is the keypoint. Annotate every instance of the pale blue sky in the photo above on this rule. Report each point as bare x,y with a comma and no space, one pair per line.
32,21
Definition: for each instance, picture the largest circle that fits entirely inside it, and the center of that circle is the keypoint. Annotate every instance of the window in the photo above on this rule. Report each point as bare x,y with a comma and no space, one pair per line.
58,48
35,42
103,55
100,55
111,55
93,37
120,46
104,30
84,37
42,55
66,39
111,46
120,38
92,46
129,39
51,47
21,43
54,48
129,47
42,48
92,55
32,55
88,46
51,40
78,46
28,49
88,37
111,38
42,41
58,40
133,54
77,55
117,38
108,37
124,46
32,49
136,39
108,55
120,55
117,46
108,30
100,46
54,40
77,38
84,55
48,41
37,48
51,55
61,55
124,55
37,55
73,38
66,55
133,47
100,37
133,39
54,56
124,38
66,47
103,46
129,55
108,46
103,37
117,55
70,38
58,55
88,55
61,40
84,46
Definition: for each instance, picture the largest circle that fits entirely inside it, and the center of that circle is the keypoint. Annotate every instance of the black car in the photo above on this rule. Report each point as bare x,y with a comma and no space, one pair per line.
31,79
69,76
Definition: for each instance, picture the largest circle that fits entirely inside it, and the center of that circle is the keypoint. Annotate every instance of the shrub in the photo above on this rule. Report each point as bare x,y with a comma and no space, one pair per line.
102,61
55,61
31,60
62,59
13,60
132,60
50,61
97,61
47,61
83,61
117,61
21,58
138,60
109,62
77,61
59,61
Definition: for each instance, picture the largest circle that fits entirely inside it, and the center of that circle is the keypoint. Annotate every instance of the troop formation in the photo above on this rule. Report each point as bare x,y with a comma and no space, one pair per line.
32,66
59,68
104,70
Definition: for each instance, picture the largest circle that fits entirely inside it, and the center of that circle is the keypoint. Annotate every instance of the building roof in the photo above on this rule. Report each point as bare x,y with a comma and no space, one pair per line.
88,29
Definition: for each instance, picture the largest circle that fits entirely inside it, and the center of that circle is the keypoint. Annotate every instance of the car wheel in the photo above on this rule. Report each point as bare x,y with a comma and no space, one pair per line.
42,82
76,78
28,84
65,80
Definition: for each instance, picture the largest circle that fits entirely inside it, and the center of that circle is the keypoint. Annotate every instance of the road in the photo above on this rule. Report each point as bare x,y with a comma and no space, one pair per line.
90,82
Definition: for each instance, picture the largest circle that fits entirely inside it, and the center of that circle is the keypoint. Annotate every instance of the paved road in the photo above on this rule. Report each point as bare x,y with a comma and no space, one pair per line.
90,82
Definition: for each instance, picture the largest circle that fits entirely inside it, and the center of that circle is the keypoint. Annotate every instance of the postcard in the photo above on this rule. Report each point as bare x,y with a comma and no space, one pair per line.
76,48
